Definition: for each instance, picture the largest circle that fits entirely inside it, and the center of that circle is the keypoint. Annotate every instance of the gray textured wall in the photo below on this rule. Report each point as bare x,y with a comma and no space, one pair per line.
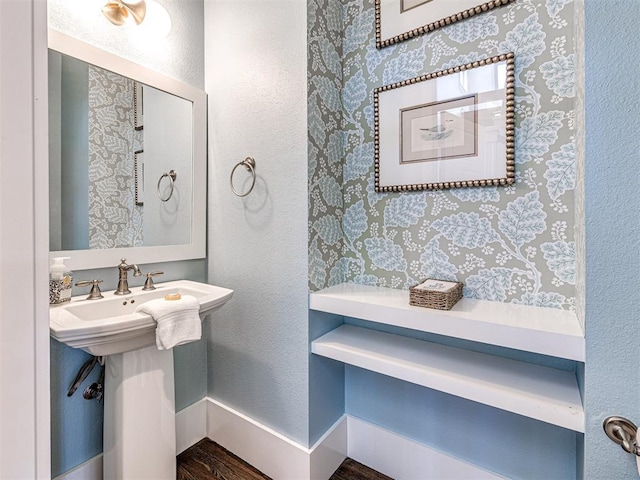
612,204
256,80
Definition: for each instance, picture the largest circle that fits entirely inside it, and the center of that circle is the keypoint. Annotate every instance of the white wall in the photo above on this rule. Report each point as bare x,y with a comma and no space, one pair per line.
176,55
24,238
256,70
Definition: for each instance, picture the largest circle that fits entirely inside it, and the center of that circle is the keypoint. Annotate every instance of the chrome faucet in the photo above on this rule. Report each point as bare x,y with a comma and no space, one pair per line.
123,280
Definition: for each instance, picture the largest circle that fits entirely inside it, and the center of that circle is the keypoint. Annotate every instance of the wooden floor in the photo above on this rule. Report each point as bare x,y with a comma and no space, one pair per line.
207,460
352,470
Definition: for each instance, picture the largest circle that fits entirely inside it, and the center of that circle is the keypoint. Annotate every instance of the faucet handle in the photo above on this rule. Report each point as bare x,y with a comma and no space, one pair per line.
148,283
95,292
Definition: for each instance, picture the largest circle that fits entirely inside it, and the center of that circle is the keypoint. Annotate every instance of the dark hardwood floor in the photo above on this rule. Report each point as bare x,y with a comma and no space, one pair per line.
207,460
352,470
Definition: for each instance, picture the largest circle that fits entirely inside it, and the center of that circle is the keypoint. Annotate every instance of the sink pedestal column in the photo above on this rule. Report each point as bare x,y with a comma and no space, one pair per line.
139,416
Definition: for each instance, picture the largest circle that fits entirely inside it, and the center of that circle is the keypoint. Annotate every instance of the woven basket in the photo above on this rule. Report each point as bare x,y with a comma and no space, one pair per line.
442,298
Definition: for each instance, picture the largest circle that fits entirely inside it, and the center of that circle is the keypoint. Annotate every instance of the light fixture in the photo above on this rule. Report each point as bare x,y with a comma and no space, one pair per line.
156,26
120,12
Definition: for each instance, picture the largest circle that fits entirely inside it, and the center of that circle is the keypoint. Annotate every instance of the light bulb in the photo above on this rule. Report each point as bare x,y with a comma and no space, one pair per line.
157,23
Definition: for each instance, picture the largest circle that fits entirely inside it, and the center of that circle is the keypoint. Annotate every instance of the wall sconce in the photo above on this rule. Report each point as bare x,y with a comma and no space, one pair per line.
156,26
120,12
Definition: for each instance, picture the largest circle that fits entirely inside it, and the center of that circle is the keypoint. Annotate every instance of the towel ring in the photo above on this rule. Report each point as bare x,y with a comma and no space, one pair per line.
250,164
172,178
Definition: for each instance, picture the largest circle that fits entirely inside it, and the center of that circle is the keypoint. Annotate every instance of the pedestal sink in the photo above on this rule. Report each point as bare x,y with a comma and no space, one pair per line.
139,399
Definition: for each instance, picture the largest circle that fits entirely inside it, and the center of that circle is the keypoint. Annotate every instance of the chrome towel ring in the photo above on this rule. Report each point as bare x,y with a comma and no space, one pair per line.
250,164
172,178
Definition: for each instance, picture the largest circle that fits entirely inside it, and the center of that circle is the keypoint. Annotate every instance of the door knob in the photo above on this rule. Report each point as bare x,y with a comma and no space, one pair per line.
623,432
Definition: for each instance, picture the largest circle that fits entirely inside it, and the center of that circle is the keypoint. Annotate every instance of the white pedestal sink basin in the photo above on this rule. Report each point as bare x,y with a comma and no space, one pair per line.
111,325
139,398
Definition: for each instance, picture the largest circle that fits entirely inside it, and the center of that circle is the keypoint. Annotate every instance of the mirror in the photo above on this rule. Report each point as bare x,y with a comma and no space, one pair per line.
127,160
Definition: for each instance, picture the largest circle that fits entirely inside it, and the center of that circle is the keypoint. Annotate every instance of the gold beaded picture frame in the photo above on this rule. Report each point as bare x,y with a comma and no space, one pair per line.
399,20
448,129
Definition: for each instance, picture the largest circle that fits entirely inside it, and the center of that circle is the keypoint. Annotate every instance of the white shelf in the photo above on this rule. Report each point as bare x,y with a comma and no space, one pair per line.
547,331
538,392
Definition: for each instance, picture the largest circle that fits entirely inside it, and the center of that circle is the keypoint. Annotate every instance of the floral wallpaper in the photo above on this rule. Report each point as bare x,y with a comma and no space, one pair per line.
509,244
114,218
325,146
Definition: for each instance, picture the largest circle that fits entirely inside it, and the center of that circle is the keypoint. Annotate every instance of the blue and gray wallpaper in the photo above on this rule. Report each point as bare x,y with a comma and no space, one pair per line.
114,218
508,244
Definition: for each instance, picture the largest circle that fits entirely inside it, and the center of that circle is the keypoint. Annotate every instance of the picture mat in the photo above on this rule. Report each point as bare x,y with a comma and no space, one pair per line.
489,163
394,22
439,130
409,4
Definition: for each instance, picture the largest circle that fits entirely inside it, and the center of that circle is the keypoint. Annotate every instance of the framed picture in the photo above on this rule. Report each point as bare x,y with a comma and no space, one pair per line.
398,20
453,128
138,176
439,130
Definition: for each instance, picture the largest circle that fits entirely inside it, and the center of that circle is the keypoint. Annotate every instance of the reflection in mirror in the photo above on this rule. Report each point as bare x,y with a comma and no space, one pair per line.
117,132
111,141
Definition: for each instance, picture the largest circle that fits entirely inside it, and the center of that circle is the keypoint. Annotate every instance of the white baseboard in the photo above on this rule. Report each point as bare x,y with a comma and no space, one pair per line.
272,453
404,459
330,451
279,457
191,425
89,470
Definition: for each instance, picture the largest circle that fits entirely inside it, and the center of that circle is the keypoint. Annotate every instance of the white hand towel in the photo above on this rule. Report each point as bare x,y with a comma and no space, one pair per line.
178,320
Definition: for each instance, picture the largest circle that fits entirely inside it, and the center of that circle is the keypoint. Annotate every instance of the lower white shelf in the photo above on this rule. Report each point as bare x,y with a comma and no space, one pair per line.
535,391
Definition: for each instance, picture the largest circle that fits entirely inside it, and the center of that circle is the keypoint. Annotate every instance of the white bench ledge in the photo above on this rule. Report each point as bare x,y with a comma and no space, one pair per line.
547,331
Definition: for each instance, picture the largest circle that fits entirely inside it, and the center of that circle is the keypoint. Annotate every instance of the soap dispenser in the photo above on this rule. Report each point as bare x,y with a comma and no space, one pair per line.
60,282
